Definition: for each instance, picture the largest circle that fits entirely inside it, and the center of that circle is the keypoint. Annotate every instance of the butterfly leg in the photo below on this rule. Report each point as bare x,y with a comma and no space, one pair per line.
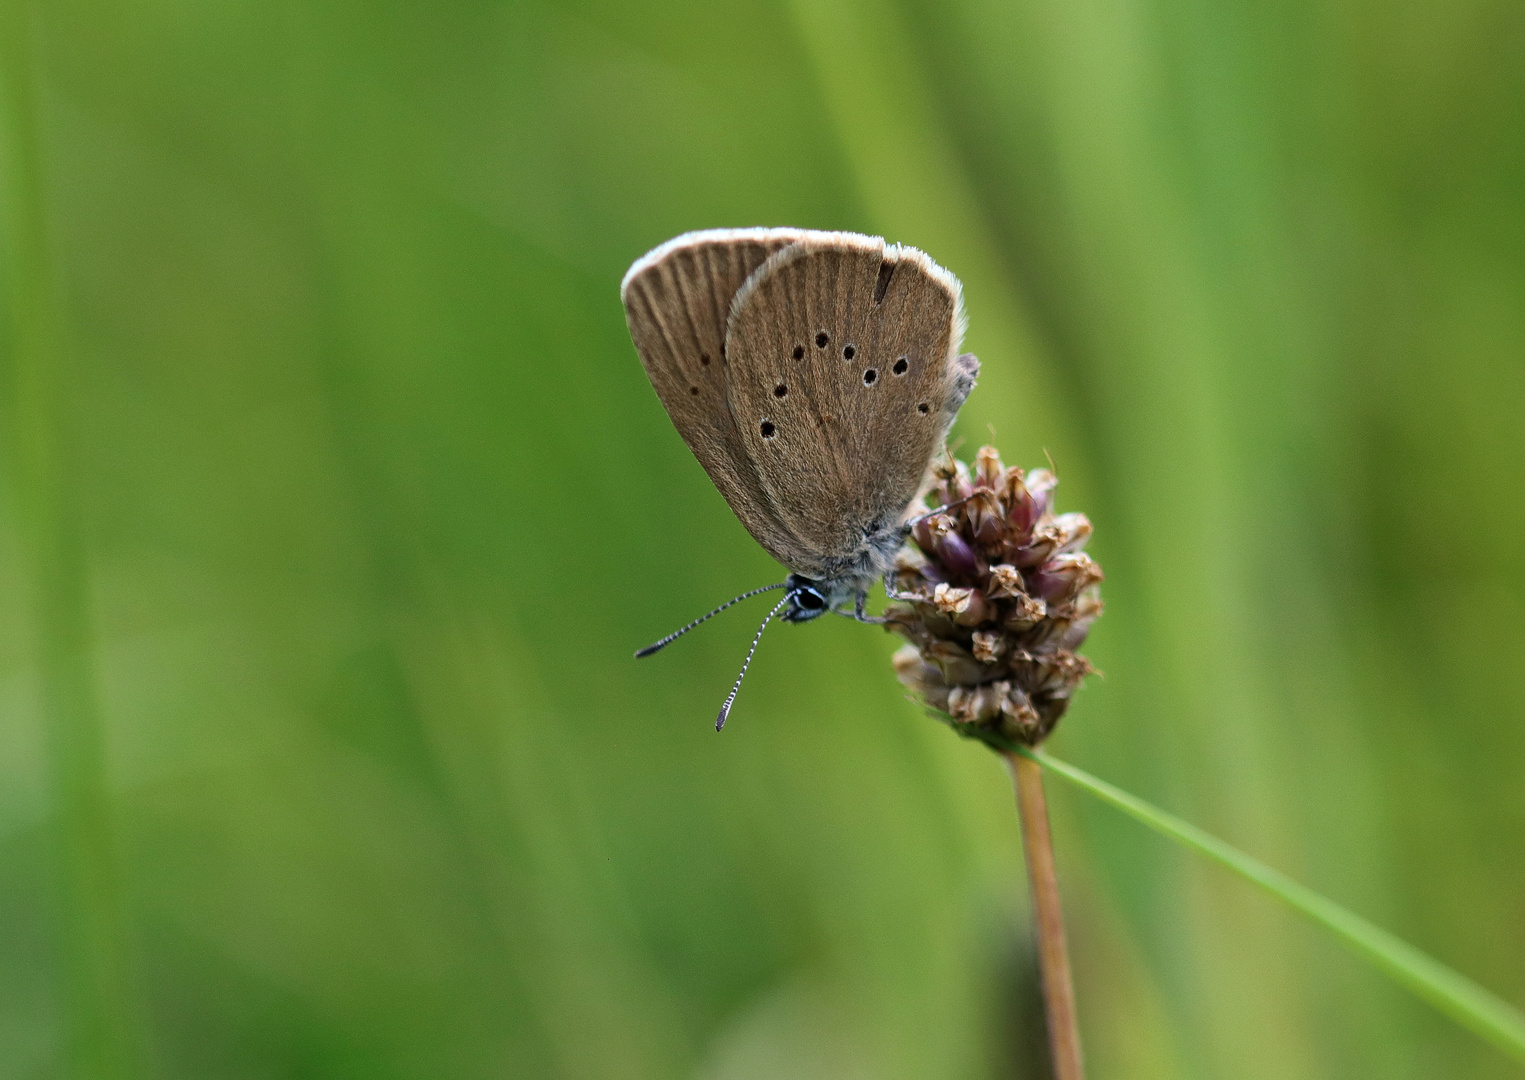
860,612
919,518
892,593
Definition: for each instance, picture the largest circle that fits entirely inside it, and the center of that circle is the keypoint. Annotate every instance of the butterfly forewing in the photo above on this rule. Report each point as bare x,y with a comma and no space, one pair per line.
843,379
677,299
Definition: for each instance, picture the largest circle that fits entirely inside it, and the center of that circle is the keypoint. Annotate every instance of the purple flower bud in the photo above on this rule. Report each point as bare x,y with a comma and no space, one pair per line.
1028,500
1005,582
973,704
987,646
988,469
1058,673
952,550
967,607
1064,576
908,664
921,678
983,513
1027,613
1021,509
1019,720
957,666
1073,531
1043,542
913,573
959,484
1070,632
1040,485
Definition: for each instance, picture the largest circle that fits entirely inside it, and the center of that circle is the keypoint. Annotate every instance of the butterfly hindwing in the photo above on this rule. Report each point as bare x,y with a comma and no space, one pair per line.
677,299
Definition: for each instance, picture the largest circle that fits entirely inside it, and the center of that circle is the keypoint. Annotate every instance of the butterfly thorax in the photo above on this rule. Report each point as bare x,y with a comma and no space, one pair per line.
845,578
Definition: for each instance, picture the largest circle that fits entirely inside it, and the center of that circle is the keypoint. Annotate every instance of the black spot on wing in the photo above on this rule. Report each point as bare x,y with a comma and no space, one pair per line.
886,271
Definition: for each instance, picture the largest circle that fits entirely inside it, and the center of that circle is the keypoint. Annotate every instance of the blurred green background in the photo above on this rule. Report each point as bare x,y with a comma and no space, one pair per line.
334,501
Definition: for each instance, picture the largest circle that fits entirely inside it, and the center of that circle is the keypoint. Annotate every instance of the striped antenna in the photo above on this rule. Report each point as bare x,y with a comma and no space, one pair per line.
725,710
676,634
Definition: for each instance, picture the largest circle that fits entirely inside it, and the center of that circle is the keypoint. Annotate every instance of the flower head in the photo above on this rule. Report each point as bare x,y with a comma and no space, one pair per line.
995,597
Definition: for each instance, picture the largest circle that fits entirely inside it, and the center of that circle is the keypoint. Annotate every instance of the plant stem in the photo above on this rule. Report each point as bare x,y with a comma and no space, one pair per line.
1048,920
1449,991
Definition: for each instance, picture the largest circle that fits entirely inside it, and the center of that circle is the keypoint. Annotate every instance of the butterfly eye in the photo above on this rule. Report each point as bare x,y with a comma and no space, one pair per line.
810,600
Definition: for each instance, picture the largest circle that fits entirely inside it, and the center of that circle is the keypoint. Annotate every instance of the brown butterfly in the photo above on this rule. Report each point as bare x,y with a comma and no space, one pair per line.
814,375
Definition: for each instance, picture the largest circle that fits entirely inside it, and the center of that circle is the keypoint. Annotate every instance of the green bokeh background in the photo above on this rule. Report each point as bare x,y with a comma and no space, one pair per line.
334,502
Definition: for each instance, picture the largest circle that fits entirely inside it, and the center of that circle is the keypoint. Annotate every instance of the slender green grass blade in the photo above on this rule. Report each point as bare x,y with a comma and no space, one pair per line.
1452,993
37,448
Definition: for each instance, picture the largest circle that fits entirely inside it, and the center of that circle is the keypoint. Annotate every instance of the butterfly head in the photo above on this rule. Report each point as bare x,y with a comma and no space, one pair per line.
804,599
